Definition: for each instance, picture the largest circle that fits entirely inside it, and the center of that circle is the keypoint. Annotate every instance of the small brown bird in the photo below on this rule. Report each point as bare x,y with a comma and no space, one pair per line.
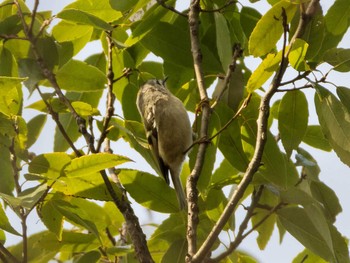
168,130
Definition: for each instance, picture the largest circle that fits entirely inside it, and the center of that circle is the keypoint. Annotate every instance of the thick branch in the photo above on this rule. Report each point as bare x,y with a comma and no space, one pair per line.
191,186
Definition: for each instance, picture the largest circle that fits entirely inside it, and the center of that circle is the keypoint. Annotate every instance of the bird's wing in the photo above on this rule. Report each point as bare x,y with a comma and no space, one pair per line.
152,137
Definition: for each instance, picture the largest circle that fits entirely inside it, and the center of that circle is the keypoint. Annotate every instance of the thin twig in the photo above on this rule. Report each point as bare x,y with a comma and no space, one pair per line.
110,94
172,9
308,86
191,185
230,2
7,254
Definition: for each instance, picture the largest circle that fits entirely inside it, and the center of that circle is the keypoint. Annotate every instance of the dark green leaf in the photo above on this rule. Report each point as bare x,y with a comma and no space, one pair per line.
35,126
338,16
90,257
230,143
248,18
223,41
327,197
292,119
76,215
339,58
335,122
149,190
344,96
302,227
176,252
315,138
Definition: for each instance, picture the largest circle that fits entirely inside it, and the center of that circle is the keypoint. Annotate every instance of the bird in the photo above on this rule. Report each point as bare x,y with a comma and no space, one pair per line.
168,131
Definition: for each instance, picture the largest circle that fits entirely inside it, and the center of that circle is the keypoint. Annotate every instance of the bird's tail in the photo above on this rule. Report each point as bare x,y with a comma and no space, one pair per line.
181,197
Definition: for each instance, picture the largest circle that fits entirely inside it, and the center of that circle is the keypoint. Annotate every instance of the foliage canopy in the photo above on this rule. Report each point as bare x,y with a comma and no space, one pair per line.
205,45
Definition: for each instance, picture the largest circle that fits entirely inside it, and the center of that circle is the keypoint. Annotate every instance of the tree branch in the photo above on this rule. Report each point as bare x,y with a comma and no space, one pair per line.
262,123
7,255
191,185
110,95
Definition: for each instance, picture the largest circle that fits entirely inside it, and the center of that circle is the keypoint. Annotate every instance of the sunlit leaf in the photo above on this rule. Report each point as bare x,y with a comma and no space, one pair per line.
79,76
270,28
84,18
5,224
89,164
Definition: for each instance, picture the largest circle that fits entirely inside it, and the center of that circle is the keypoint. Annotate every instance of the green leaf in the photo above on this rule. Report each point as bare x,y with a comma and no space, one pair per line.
224,175
299,224
309,256
5,224
276,168
297,55
315,138
233,94
210,156
314,33
248,19
176,252
89,186
84,109
50,216
7,83
335,122
7,178
264,71
30,197
79,76
49,164
28,68
35,126
82,17
177,40
89,164
326,196
223,41
76,215
36,253
269,29
149,191
101,9
344,96
339,58
230,142
90,257
338,16
266,229
292,119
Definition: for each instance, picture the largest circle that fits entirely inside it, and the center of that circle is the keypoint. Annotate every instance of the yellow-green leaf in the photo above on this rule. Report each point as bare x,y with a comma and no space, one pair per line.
270,28
93,163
